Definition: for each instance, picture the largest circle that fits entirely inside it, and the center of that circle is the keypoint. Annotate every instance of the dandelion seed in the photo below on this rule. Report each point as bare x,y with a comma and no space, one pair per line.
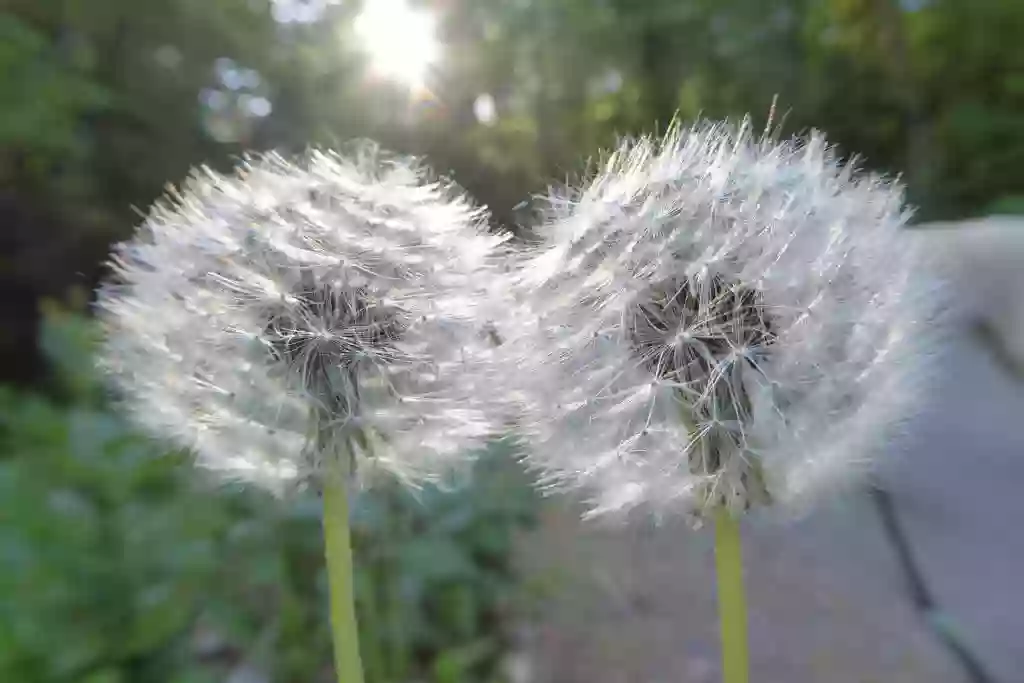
717,321
294,311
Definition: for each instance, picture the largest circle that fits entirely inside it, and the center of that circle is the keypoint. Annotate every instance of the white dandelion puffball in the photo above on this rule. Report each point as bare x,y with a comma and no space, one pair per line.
294,310
718,319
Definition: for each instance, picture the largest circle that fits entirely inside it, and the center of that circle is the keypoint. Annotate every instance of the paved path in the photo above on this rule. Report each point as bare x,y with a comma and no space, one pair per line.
960,494
828,601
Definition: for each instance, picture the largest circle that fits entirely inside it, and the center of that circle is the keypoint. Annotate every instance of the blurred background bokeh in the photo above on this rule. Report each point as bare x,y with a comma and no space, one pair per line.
119,565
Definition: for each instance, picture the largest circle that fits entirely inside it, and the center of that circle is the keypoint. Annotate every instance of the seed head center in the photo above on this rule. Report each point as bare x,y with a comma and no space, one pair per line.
329,333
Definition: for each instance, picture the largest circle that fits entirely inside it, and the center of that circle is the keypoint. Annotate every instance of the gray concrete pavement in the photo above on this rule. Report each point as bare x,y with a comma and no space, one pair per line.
958,491
827,597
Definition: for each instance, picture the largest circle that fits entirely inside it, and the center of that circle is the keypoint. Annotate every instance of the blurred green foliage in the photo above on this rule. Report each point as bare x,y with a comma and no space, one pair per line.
122,564
107,101
46,98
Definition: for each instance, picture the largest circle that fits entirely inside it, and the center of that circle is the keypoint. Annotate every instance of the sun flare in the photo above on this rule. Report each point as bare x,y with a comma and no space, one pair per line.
400,40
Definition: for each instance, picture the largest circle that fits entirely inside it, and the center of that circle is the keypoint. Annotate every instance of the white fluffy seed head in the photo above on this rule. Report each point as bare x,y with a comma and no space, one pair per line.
719,319
296,310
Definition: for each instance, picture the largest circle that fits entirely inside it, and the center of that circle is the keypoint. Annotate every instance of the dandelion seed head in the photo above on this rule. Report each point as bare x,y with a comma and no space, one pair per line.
719,319
295,310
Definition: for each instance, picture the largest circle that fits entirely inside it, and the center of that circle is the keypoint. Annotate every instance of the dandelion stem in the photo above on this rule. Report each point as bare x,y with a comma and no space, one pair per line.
732,602
338,546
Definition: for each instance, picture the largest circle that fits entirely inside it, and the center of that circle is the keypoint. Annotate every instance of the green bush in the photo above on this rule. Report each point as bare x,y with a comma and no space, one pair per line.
123,564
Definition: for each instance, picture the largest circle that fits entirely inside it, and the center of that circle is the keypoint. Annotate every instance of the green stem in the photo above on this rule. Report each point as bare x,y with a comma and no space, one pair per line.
732,602
338,546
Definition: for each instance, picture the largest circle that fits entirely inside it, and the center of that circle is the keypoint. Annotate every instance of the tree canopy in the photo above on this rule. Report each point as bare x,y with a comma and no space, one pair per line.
106,102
